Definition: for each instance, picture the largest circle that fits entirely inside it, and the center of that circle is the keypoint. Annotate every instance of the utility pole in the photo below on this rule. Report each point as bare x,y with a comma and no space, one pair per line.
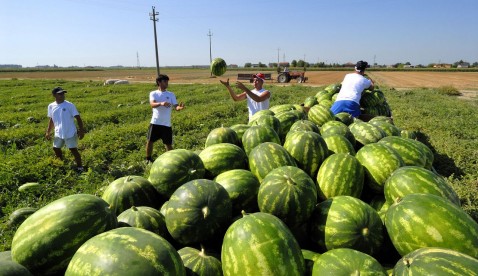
153,17
210,49
137,60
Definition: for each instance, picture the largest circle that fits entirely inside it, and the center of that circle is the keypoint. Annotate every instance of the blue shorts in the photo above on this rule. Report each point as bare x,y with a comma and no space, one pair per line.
350,107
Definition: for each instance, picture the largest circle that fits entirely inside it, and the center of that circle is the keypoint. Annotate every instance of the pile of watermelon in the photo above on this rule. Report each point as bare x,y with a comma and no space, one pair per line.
297,191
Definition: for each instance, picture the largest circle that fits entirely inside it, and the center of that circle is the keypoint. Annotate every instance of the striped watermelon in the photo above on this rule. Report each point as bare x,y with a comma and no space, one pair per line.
197,211
337,127
379,161
411,153
337,143
388,128
218,67
344,117
304,125
267,120
346,261
46,241
174,168
326,103
276,109
268,156
132,190
6,255
345,221
430,157
289,194
413,180
20,215
222,135
222,157
197,262
310,257
436,261
126,251
286,119
144,217
259,134
308,150
310,101
323,95
426,220
319,115
340,174
240,129
242,187
262,112
261,244
378,119
365,133
405,133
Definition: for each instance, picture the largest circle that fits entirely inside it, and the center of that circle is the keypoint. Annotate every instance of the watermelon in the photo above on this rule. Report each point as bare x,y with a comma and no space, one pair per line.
198,211
286,119
268,156
388,128
262,112
46,241
219,158
197,262
308,150
30,187
19,215
11,268
430,157
378,119
344,117
304,125
276,109
261,244
144,217
319,115
337,143
310,257
346,222
346,261
240,129
174,168
258,134
126,251
242,187
132,190
379,161
426,220
340,174
267,120
411,153
310,101
326,103
222,135
436,261
6,255
337,127
414,179
218,67
323,95
289,194
405,133
366,133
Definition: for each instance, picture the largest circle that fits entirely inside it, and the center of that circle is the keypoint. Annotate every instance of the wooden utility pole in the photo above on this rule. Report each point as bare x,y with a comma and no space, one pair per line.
153,17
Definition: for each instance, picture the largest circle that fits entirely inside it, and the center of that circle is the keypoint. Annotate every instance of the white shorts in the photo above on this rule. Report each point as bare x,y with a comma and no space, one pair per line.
70,143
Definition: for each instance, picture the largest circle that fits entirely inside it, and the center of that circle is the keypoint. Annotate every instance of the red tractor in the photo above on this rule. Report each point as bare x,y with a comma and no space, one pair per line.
284,77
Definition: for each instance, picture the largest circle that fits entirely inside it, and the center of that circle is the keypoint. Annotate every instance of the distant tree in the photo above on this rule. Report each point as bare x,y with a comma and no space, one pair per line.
248,65
300,63
262,65
475,64
408,63
293,63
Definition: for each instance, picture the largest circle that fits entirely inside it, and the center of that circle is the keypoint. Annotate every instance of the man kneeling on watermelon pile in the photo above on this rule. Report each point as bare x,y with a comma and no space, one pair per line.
348,99
257,98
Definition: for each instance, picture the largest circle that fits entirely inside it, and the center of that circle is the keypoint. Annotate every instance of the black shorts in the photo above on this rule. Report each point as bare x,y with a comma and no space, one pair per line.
156,132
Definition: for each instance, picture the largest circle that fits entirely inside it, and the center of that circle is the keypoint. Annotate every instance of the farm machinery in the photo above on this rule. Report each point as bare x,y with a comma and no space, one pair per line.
284,77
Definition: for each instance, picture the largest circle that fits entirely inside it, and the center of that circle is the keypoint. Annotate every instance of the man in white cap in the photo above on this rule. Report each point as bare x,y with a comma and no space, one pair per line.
348,99
257,98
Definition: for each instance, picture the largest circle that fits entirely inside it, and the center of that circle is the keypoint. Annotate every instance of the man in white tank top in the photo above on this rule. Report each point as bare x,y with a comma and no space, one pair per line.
257,98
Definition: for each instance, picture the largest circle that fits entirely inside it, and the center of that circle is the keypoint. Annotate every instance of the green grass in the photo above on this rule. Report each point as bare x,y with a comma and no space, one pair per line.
117,117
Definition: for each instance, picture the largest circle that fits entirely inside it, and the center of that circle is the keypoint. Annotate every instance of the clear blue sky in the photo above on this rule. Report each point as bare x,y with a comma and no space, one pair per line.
114,32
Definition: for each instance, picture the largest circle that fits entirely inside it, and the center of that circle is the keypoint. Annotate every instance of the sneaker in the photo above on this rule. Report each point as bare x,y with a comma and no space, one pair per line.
149,160
80,169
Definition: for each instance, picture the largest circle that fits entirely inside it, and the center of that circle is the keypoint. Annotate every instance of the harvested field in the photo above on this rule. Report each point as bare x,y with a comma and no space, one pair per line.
466,82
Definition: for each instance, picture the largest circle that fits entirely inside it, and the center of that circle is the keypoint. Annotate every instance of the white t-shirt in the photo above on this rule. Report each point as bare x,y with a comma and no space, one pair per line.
63,118
254,106
352,87
162,114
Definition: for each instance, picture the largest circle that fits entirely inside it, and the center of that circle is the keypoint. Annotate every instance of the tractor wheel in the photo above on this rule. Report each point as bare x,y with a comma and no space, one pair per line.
283,78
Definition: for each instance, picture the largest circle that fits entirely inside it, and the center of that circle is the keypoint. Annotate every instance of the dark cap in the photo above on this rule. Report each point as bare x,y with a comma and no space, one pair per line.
58,90
361,65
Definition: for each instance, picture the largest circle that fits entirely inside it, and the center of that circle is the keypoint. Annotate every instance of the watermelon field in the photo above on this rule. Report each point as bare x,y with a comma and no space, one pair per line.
297,191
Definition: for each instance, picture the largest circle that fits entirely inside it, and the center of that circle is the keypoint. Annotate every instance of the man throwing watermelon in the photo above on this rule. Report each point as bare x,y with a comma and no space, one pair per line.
348,99
257,98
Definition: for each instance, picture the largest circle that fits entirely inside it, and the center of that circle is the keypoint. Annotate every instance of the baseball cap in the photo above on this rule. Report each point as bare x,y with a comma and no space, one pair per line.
260,76
58,90
361,65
